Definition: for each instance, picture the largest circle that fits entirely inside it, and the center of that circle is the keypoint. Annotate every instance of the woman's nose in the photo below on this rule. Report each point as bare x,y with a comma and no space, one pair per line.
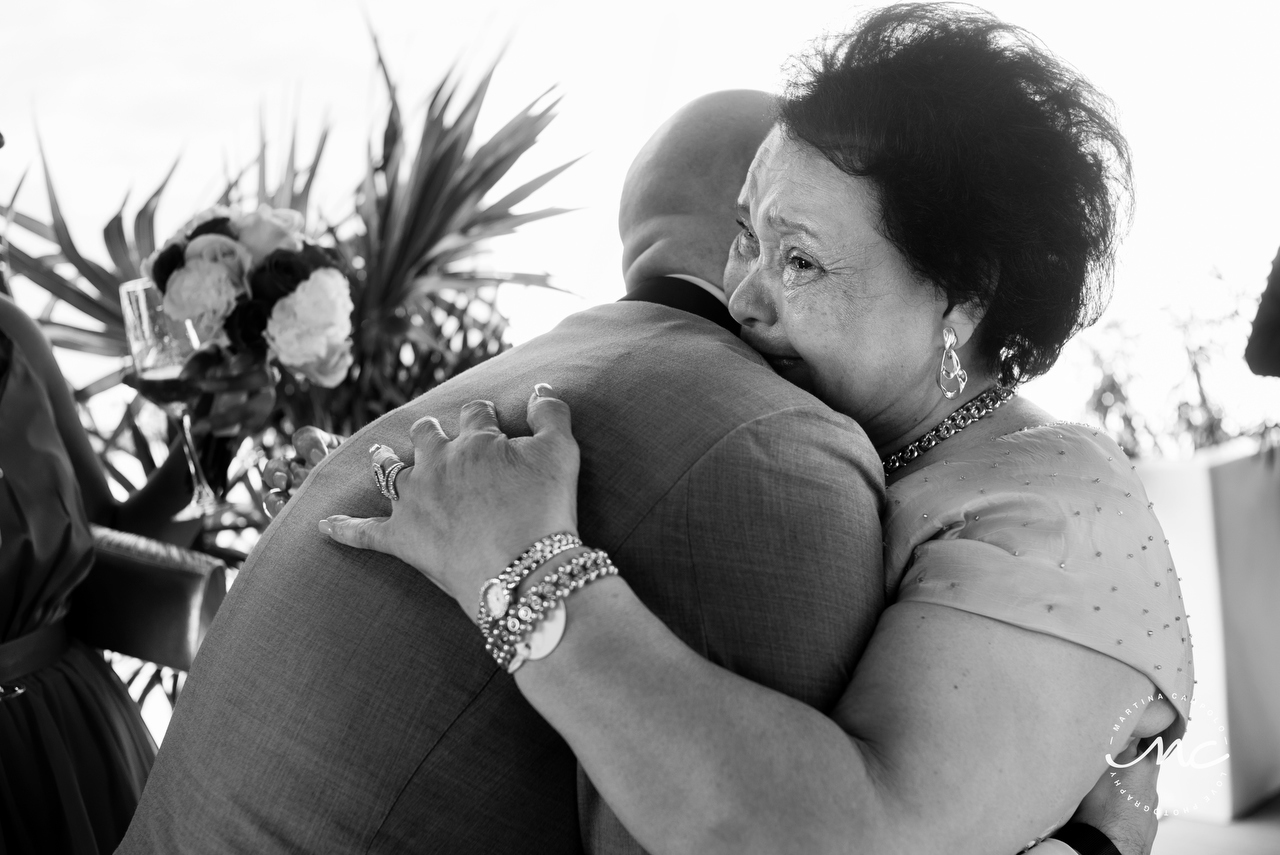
751,304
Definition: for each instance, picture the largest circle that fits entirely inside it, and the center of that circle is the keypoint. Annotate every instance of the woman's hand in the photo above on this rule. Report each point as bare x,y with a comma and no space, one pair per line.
284,476
1112,809
469,505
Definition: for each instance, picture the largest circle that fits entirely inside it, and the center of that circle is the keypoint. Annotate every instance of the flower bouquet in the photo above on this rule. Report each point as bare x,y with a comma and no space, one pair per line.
254,293
426,212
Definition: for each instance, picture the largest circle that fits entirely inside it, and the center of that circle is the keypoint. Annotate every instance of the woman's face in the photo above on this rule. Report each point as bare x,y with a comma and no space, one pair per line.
831,304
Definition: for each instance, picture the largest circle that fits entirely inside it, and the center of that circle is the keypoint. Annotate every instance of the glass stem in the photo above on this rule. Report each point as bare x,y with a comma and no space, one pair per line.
200,489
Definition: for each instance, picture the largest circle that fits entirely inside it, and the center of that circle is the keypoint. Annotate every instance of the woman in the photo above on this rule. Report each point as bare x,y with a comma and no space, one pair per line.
74,752
928,224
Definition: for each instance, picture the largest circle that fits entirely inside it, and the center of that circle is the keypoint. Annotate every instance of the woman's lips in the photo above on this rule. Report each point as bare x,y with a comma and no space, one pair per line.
788,366
793,369
783,363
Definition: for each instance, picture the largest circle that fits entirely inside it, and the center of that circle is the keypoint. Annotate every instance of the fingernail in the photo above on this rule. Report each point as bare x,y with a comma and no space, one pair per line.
317,456
280,480
542,390
325,527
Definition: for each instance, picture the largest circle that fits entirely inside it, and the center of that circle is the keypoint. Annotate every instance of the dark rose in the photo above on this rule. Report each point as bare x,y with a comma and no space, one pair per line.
168,260
319,256
245,327
278,275
281,272
216,226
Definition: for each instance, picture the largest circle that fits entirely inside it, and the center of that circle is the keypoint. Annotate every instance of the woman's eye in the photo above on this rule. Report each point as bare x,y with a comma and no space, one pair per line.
800,263
745,242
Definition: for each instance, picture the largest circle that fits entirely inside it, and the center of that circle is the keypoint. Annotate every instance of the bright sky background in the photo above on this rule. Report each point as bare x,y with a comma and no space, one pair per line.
119,89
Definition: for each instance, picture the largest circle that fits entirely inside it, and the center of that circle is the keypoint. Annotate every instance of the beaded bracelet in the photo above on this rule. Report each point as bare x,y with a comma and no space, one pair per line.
495,595
535,627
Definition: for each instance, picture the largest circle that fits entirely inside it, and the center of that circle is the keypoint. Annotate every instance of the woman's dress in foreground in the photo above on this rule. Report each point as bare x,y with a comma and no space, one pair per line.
1048,529
74,753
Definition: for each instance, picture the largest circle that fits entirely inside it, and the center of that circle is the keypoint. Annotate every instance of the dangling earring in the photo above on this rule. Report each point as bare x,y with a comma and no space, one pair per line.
950,370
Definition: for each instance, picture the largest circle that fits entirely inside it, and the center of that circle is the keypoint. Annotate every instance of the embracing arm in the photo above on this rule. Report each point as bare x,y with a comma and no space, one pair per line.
957,733
936,746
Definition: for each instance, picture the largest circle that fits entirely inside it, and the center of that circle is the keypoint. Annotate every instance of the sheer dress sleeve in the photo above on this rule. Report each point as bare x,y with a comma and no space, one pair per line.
1048,529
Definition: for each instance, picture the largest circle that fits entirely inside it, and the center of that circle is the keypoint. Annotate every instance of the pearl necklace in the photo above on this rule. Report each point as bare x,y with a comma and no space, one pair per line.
983,405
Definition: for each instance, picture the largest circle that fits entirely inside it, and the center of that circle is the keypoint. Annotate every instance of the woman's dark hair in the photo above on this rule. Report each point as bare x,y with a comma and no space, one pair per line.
1000,173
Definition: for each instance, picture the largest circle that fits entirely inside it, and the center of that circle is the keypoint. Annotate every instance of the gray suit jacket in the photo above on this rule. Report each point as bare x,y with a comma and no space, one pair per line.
342,703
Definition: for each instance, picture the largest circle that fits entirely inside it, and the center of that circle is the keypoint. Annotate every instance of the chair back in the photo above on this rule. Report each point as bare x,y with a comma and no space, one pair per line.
147,599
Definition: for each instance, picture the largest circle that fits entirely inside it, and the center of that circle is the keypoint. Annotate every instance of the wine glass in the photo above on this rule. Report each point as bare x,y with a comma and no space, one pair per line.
160,347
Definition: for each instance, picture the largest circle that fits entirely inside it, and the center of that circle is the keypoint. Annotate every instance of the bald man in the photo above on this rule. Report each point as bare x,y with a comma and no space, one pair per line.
341,703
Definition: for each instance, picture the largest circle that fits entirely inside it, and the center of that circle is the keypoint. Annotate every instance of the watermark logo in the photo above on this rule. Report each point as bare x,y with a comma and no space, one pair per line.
1207,752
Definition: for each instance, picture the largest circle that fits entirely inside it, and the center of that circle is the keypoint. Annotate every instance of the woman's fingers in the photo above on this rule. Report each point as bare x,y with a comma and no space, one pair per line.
382,457
273,502
312,444
1126,814
549,416
298,473
368,533
428,439
478,417
276,473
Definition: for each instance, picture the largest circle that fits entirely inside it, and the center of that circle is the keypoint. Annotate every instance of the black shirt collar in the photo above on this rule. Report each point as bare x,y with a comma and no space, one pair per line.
679,294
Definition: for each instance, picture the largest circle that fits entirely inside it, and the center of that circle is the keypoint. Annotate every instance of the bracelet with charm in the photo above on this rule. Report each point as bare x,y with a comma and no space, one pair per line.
497,593
536,624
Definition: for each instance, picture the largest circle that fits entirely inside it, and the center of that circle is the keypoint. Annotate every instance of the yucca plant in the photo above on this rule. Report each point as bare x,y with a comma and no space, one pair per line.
93,290
423,312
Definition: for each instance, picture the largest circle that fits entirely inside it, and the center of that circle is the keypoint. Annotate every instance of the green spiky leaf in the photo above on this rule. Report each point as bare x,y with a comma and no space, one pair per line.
123,256
83,340
31,224
94,274
304,196
94,306
102,384
144,222
503,206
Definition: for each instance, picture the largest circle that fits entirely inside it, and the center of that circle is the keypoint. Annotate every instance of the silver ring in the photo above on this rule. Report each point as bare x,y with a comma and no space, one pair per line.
388,485
385,478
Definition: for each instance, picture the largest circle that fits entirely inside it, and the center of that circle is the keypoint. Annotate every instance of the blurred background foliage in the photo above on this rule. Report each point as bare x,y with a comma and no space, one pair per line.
414,241
1210,335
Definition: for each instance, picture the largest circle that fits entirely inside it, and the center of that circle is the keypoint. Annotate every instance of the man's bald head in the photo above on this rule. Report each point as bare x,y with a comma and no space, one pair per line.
677,213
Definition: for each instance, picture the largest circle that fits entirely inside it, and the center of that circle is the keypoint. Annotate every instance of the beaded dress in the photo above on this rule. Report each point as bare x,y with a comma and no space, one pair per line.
1048,529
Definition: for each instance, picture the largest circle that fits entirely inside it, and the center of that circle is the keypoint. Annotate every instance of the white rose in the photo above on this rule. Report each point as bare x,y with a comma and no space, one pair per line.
180,236
220,249
202,292
331,369
268,229
309,329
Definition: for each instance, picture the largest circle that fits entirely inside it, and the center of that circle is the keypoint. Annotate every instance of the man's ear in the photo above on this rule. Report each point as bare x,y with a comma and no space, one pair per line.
678,243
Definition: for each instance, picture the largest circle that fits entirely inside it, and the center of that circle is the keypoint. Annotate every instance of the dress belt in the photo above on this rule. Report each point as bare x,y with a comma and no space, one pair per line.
32,651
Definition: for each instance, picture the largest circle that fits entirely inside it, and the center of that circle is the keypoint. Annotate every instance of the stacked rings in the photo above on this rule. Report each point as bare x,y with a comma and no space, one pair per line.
386,478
